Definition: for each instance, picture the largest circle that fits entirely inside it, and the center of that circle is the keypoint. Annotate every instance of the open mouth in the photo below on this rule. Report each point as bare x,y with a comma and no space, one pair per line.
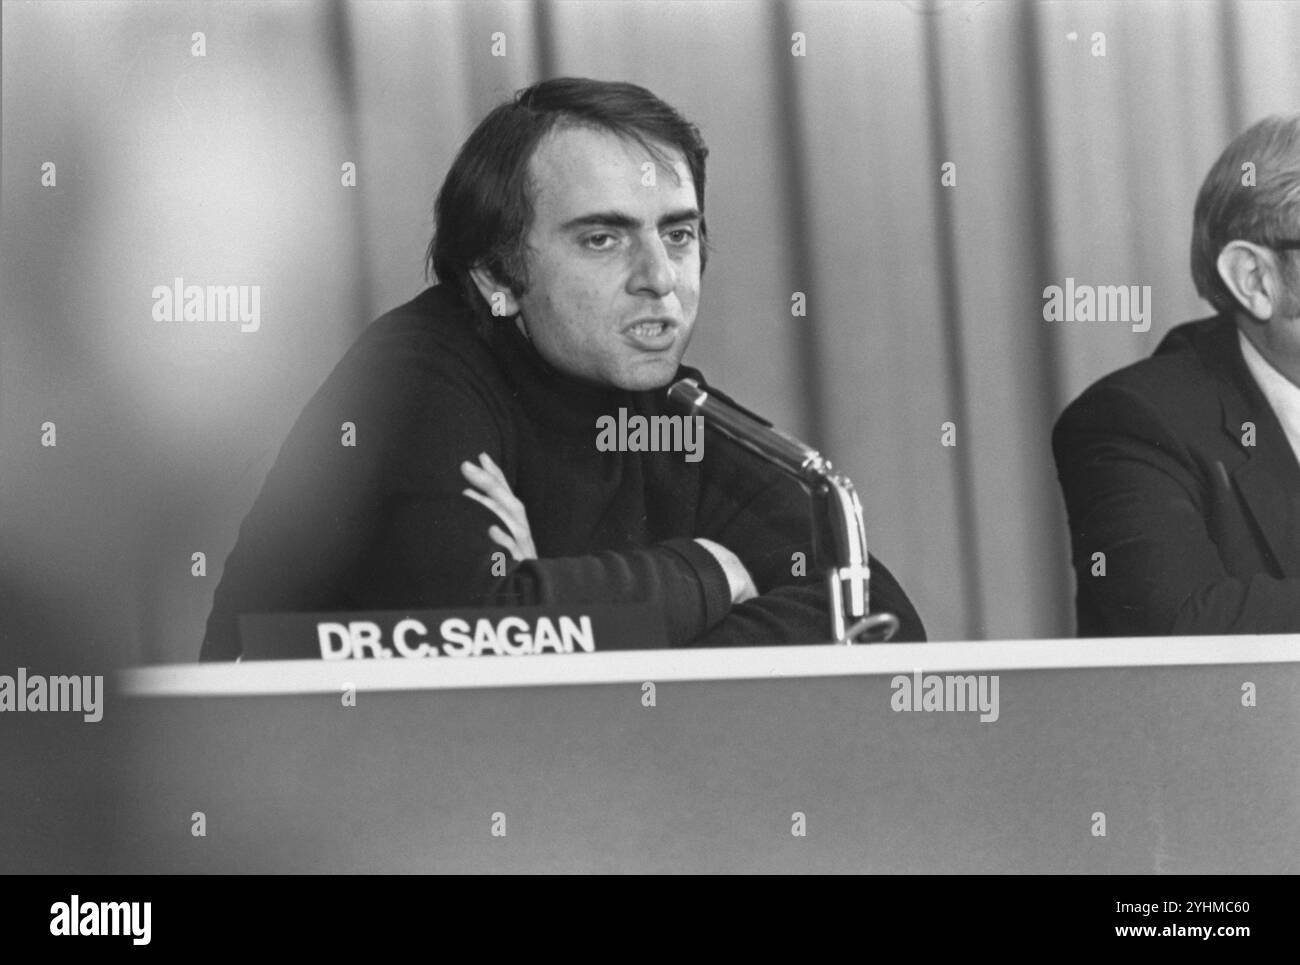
652,335
649,329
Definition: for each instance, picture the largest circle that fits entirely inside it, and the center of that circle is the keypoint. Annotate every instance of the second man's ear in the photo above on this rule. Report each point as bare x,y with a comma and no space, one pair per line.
498,296
1250,275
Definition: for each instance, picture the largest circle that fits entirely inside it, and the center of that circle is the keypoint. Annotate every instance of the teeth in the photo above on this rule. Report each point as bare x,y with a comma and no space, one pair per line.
649,328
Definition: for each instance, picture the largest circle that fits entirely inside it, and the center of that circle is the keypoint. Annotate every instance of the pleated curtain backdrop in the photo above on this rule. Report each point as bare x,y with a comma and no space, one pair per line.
920,172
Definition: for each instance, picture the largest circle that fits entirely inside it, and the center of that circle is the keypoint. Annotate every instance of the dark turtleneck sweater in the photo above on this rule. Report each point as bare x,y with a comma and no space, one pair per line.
384,524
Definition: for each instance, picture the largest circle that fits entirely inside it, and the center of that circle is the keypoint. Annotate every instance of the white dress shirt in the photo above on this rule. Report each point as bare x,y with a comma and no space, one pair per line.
1282,394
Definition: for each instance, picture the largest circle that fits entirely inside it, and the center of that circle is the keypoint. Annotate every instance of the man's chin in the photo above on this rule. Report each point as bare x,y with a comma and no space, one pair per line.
649,378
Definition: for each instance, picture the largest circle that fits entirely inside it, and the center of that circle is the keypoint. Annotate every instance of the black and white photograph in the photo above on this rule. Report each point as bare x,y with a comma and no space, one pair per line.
651,437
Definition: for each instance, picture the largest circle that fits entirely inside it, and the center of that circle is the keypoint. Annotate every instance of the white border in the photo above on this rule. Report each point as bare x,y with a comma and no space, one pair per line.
549,670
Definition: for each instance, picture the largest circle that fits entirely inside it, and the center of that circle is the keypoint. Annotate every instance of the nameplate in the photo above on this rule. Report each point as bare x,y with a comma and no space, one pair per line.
522,631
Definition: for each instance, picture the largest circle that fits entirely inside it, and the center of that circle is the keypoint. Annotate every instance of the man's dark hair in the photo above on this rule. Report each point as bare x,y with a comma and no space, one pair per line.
485,206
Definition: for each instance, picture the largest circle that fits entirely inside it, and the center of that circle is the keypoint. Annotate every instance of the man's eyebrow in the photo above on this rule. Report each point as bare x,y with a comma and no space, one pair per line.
677,217
617,219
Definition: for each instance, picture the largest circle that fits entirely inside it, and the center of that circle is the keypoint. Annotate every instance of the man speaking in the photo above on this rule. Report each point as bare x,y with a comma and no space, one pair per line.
462,453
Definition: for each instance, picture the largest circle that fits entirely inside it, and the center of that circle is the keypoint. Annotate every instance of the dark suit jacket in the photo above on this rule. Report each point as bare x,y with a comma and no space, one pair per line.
1200,531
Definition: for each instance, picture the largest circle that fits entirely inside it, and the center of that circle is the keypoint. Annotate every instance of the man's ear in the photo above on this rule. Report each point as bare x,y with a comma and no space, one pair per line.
498,296
1250,275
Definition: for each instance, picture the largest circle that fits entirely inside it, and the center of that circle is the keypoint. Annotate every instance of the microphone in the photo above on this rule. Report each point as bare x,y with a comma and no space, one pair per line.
746,429
849,575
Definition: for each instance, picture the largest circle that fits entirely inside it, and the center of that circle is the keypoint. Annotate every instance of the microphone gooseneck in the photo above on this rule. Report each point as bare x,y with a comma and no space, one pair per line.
849,576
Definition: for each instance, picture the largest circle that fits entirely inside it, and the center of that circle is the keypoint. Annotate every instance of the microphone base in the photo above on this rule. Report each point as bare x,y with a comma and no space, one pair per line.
865,627
876,628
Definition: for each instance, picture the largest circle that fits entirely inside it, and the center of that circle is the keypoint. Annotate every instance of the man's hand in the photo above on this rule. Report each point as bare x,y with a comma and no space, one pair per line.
492,490
742,584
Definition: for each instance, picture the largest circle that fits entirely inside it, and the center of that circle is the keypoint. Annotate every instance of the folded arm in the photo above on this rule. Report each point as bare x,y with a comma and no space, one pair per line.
385,523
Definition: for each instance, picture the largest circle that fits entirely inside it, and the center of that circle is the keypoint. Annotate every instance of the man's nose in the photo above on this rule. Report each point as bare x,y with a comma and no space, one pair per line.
654,270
